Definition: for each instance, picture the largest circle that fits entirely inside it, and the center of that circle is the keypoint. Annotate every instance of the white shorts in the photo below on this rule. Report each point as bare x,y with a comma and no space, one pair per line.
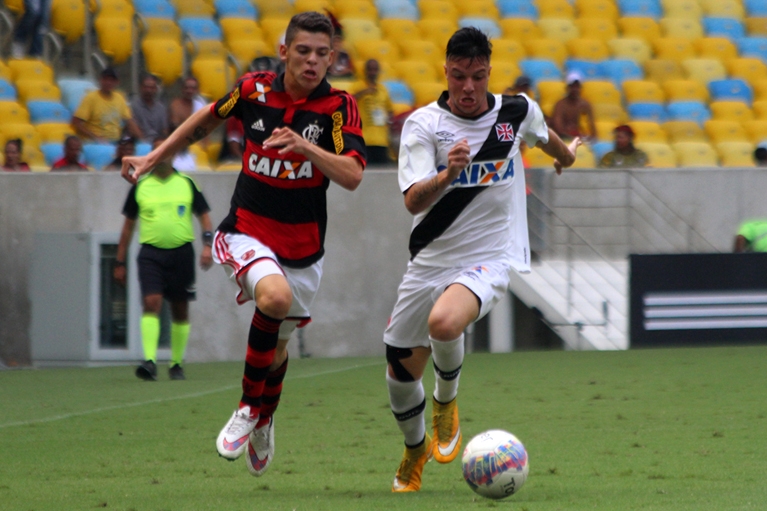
423,285
246,261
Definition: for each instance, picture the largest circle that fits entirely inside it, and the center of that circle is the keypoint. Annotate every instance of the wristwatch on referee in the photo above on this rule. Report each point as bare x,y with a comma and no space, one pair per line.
207,238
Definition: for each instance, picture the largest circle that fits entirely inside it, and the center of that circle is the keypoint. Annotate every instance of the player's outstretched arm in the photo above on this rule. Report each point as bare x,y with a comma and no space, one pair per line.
563,154
194,129
423,194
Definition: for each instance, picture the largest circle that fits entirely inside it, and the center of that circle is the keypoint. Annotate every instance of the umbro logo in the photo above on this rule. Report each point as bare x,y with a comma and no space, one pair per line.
445,136
258,125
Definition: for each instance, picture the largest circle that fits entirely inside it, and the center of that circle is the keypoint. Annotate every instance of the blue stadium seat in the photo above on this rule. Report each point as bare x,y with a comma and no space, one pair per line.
143,148
235,9
539,70
688,111
732,89
155,8
200,28
647,112
397,9
601,148
641,8
399,92
52,151
588,69
73,90
98,156
755,7
48,111
7,90
486,25
517,9
619,70
753,47
724,27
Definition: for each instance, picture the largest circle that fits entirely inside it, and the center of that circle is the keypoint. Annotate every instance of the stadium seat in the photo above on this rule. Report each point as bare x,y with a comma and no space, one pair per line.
52,152
54,131
67,18
503,75
639,28
540,69
194,8
15,6
550,50
605,132
654,112
201,28
660,155
724,27
682,28
731,111
29,68
385,51
647,131
486,25
695,154
736,154
518,9
97,156
159,28
115,9
588,69
599,149
244,51
684,131
753,47
115,37
236,29
756,25
760,109
588,49
747,68
5,71
397,9
215,76
235,9
355,9
13,112
508,50
396,30
662,70
719,48
155,8
596,28
559,29
426,92
556,9
549,92
438,10
704,70
584,158
695,111
73,90
757,130
31,89
609,112
735,89
413,72
143,148
632,49
25,131
755,7
674,48
620,70
273,29
7,90
485,9
725,131
601,91
682,9
48,111
723,8
601,9
272,9
164,58
641,8
643,91
537,159
437,31
519,29
399,92
312,5
759,88
685,90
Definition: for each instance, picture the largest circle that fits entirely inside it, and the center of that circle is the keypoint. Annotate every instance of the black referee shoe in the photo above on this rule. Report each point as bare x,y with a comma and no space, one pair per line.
147,371
176,372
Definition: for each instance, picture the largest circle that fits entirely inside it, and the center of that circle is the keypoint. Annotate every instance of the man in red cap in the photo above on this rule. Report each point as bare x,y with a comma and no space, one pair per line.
625,155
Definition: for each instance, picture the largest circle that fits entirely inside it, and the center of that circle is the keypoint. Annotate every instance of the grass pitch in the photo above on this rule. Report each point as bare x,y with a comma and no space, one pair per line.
677,429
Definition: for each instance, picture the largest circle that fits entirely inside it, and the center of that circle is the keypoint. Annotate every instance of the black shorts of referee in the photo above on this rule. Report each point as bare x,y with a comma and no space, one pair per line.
167,271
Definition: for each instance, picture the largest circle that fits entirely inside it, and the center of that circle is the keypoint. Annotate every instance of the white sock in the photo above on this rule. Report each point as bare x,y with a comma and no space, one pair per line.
407,404
448,358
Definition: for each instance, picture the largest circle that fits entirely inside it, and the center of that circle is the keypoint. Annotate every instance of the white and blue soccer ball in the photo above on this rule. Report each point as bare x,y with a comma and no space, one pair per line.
495,464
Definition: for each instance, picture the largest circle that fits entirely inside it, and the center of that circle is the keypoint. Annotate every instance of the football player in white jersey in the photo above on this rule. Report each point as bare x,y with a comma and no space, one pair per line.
461,173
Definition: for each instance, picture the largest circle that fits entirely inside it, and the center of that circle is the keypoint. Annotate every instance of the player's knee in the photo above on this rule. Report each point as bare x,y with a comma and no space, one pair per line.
153,304
274,299
444,327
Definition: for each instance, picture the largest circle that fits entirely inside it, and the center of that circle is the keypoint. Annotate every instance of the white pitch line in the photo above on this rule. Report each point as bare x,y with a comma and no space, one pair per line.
174,398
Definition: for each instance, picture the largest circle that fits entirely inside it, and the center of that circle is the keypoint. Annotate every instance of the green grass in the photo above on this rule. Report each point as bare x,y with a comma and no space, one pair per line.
654,430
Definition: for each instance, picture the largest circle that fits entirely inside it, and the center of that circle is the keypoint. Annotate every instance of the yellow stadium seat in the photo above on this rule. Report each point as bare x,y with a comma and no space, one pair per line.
550,91
550,49
244,51
723,8
54,131
597,28
609,112
605,130
25,131
508,50
704,70
236,29
684,131
682,28
604,9
160,28
5,72
584,158
731,111
68,19
643,91
195,8
115,9
725,131
674,48
748,68
760,109
682,9
399,30
519,29
559,29
757,130
273,30
478,9
426,92
557,9
437,30
537,159
640,28
760,88
438,9
34,157
413,72
209,48
647,131
503,75
15,6
358,30
756,25
164,58
355,9
420,50
312,5
599,91
228,166
695,154
201,160
215,76
115,36
589,49
385,71
378,49
13,112
662,70
719,48
736,154
633,49
685,90
660,155
272,9
30,69
30,90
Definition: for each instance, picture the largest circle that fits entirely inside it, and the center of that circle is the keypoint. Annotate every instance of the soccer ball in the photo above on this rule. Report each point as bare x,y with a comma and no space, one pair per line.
495,464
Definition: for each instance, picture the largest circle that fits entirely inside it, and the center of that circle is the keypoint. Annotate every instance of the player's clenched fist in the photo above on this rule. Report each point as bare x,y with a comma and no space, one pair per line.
458,158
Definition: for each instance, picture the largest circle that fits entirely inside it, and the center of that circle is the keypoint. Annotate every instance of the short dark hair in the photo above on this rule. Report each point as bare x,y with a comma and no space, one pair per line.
469,43
148,76
70,138
760,154
17,142
311,21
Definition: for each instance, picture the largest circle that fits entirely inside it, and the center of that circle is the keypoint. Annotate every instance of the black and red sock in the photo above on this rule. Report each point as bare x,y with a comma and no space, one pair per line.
272,392
262,342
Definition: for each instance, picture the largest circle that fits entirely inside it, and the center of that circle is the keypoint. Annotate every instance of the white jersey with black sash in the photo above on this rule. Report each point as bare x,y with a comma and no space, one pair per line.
482,215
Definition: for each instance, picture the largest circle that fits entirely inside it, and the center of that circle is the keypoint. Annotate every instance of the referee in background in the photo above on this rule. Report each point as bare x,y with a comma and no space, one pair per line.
164,202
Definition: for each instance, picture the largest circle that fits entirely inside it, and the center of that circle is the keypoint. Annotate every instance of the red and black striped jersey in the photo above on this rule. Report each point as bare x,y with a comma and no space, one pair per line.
281,199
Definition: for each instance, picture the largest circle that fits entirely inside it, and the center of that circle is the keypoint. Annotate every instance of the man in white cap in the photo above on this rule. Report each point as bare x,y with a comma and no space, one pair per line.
573,112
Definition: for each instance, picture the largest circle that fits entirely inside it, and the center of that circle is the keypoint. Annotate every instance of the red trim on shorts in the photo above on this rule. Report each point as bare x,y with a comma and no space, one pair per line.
244,269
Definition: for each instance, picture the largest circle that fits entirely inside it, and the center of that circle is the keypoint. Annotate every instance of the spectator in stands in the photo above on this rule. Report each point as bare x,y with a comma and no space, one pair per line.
624,155
102,112
150,114
523,85
751,237
375,111
73,148
341,67
234,140
13,157
760,156
185,105
34,24
125,147
572,112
